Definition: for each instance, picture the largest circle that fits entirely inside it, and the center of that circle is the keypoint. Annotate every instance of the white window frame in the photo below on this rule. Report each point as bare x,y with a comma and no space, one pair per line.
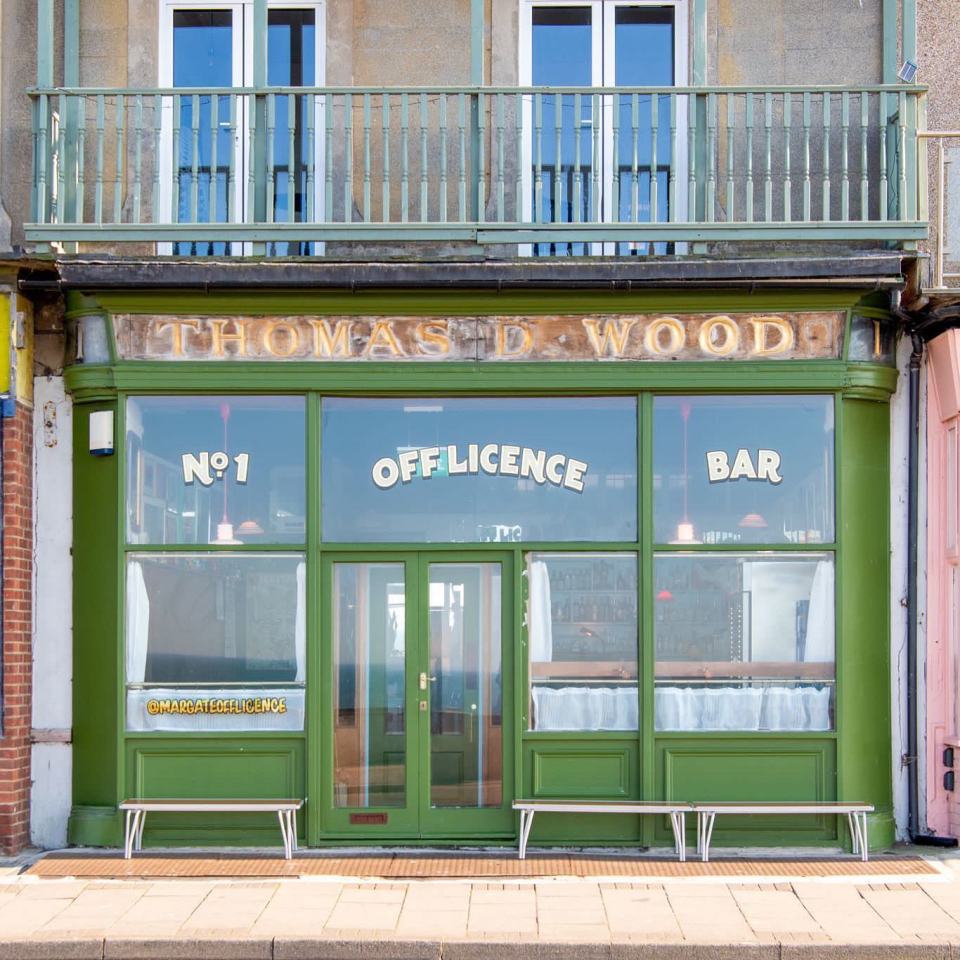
242,77
603,14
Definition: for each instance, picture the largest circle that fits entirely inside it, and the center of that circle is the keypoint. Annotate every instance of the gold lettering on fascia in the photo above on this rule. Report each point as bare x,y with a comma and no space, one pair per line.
704,336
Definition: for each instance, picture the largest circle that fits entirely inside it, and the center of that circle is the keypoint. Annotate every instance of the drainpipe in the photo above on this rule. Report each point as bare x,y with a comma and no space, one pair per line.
913,693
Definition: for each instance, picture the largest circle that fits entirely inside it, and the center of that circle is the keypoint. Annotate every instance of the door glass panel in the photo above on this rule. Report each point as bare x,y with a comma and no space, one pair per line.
562,55
466,708
291,49
643,45
369,730
203,57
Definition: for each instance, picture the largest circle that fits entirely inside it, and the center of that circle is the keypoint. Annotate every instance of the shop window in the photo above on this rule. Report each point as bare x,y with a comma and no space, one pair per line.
443,470
582,638
744,642
730,470
215,641
216,470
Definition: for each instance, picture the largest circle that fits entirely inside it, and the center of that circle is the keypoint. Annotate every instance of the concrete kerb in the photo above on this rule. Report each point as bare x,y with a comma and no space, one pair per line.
185,948
66,949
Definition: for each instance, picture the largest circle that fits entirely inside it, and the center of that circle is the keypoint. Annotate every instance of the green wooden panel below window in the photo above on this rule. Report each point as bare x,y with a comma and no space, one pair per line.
582,768
206,769
774,770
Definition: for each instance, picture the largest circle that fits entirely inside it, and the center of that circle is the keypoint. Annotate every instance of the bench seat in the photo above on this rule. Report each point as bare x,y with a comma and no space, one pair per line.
137,809
856,814
675,811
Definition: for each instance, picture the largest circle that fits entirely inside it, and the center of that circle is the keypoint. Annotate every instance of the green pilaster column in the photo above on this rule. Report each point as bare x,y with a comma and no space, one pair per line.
863,649
97,660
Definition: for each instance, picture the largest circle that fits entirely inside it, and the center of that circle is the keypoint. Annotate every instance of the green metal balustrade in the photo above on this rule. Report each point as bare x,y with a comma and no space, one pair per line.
554,170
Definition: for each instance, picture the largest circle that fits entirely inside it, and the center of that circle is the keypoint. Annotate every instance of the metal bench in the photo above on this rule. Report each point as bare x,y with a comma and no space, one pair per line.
675,811
856,814
137,810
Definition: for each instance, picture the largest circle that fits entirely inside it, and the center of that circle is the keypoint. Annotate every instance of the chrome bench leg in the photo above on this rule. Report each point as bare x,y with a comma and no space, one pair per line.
128,835
282,817
526,823
138,843
707,835
678,822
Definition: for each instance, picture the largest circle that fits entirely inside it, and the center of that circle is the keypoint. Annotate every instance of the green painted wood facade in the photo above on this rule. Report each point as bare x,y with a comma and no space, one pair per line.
852,763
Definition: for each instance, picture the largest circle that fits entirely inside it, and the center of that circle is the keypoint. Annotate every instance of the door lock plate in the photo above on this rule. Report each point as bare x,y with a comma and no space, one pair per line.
423,706
423,681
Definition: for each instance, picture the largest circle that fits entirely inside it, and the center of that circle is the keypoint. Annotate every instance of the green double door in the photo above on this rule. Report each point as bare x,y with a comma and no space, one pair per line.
419,695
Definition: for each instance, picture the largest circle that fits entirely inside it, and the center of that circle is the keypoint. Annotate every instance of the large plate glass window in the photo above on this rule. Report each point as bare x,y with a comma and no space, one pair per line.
744,642
216,470
582,638
747,469
447,470
215,641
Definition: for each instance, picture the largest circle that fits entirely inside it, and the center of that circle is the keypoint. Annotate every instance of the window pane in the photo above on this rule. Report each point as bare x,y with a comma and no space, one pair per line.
583,641
291,57
643,57
743,469
466,710
470,470
215,470
744,642
207,635
203,57
369,650
562,55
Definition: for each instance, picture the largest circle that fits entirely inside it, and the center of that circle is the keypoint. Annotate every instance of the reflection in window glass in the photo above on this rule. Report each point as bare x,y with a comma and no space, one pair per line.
643,57
743,469
203,57
562,180
220,636
291,47
583,641
744,642
219,470
444,470
465,685
369,643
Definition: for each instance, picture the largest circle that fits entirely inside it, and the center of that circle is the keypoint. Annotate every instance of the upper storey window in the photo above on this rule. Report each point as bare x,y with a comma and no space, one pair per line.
207,135
603,157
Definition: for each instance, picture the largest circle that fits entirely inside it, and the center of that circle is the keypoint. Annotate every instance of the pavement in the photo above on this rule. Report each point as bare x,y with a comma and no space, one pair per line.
328,918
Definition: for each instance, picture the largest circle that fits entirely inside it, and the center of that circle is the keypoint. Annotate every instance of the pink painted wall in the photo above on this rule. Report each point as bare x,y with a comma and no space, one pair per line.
943,576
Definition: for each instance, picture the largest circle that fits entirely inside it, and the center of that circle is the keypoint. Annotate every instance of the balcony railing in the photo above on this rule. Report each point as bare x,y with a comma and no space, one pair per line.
944,273
572,170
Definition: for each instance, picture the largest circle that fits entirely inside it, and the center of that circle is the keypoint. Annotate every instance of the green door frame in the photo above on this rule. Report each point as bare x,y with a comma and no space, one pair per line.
415,819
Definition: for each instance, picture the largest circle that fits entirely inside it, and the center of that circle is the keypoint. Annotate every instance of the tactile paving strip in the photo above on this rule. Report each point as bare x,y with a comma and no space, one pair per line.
405,866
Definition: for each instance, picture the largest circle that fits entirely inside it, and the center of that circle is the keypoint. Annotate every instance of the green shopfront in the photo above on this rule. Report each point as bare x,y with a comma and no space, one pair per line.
412,556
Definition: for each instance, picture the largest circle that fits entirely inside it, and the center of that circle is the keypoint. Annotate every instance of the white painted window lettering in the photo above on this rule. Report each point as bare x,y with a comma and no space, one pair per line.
206,467
493,459
766,467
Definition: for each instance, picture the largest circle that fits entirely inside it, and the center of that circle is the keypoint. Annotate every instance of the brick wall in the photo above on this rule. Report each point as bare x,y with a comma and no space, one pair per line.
17,628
